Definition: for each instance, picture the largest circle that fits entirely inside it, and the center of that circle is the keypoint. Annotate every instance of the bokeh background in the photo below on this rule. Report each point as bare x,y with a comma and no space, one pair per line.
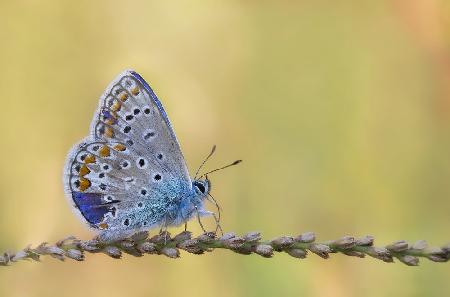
340,110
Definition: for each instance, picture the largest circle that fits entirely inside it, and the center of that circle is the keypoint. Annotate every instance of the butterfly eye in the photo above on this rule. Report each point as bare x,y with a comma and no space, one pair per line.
200,187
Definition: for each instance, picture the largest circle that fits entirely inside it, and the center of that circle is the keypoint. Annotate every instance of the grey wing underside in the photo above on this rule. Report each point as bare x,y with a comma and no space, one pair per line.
151,118
131,167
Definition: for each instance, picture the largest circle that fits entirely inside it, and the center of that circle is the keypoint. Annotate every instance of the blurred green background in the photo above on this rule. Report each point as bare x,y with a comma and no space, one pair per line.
340,110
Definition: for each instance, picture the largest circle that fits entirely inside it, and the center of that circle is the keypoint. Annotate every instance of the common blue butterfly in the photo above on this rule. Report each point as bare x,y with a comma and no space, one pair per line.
129,174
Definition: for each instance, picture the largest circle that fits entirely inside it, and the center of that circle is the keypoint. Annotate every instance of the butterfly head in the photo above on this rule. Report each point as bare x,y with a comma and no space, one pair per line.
201,187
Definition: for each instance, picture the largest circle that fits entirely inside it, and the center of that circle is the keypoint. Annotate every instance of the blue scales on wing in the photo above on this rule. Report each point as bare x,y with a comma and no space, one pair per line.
129,174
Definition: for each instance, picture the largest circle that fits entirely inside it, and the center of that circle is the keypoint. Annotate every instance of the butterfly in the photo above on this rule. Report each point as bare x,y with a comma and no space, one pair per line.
129,174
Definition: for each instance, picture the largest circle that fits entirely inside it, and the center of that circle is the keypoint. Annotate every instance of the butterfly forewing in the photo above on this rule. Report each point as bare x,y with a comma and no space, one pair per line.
131,113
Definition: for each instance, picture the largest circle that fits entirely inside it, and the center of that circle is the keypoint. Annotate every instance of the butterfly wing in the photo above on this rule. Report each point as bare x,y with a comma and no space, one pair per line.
130,112
130,172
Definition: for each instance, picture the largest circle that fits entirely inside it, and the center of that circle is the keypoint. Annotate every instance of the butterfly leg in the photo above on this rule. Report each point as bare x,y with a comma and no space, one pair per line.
198,218
216,218
163,229
218,227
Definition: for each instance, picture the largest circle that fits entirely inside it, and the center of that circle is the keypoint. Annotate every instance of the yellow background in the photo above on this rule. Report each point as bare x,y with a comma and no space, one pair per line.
340,110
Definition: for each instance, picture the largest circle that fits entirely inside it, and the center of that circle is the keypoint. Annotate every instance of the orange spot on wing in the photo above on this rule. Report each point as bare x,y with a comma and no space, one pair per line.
84,171
103,226
120,147
116,106
89,159
104,151
84,184
135,91
123,96
109,121
109,132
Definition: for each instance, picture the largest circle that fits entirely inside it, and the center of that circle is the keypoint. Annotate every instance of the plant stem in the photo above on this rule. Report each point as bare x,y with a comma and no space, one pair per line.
297,247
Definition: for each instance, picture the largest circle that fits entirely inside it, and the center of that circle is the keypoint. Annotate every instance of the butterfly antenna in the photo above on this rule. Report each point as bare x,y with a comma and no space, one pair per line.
229,165
204,161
